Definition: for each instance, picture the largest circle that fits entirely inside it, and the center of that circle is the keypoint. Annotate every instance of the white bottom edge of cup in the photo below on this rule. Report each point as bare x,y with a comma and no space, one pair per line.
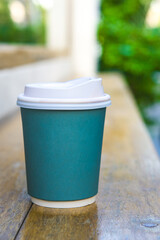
64,204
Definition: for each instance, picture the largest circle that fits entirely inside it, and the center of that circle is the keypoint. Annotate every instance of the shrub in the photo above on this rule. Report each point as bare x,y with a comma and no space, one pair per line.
129,46
13,33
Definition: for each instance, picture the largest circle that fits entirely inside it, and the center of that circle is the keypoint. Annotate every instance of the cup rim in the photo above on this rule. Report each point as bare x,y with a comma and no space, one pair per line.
64,104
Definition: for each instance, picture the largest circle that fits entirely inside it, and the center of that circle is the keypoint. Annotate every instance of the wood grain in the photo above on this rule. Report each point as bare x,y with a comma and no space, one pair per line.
128,204
14,202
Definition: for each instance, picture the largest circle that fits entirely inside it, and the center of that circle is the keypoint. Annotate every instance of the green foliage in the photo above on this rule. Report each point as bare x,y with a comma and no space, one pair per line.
13,33
129,46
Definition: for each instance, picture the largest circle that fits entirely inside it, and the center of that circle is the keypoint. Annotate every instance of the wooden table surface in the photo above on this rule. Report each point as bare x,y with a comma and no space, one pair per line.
128,204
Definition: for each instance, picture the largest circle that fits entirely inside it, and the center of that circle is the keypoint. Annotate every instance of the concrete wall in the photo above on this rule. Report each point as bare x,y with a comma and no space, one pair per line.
72,27
12,81
57,26
84,28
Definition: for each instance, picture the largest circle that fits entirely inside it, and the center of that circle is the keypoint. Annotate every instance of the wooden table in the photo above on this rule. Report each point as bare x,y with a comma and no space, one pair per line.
128,204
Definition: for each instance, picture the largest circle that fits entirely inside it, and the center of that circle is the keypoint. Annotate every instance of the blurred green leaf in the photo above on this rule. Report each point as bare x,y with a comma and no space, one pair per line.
13,33
129,46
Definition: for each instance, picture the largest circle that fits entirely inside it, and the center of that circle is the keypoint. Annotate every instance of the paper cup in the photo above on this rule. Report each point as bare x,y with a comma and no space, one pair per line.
63,142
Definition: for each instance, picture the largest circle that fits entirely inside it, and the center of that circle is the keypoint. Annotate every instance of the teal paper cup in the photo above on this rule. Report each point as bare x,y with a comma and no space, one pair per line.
63,132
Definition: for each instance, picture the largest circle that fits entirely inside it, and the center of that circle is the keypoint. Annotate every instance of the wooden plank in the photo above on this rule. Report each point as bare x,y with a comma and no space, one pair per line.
128,204
17,55
14,202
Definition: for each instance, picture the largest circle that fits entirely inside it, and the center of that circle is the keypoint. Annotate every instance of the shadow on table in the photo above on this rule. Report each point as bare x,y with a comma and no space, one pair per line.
47,223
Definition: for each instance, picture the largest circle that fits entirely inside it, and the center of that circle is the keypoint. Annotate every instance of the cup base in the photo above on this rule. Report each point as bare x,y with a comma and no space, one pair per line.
64,204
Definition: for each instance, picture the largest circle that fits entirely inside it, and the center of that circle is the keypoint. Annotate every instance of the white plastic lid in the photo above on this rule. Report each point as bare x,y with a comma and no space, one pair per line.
82,93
